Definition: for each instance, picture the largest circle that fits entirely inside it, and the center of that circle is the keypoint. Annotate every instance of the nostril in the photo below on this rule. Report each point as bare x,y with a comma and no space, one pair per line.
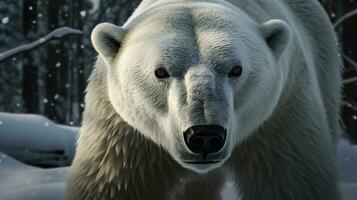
215,144
196,144
215,140
205,139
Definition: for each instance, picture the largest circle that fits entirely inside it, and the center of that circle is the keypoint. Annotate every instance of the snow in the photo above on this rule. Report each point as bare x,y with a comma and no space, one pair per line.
95,5
345,17
19,181
83,13
56,34
348,162
5,20
34,139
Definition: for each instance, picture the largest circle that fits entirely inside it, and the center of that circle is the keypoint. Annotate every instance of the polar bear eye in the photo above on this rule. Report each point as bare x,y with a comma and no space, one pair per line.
161,73
236,71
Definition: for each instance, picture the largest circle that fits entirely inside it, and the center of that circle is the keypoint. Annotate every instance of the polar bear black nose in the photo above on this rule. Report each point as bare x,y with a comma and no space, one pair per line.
205,139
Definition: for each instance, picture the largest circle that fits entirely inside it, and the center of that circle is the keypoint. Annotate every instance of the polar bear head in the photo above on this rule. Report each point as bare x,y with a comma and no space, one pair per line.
195,78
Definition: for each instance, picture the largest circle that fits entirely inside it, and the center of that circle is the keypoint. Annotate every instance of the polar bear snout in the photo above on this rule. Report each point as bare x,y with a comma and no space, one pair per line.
205,139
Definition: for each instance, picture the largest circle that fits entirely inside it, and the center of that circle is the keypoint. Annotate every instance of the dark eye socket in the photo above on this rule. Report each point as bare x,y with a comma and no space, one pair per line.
161,73
236,71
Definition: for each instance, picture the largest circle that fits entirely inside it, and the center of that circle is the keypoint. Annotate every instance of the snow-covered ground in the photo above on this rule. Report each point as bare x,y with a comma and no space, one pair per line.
35,139
19,181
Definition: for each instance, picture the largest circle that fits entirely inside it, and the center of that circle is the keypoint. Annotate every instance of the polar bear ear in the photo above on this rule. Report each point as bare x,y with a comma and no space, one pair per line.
277,35
106,39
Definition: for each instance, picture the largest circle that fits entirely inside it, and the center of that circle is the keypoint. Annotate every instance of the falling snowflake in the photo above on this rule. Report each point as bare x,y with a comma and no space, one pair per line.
56,96
83,13
5,20
58,64
45,100
47,124
71,122
354,117
0,122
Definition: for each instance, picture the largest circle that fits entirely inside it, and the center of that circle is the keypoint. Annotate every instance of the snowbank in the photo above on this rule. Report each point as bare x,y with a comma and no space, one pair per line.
348,162
36,140
23,182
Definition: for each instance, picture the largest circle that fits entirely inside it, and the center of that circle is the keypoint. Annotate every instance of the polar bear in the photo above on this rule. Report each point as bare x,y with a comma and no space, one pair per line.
188,91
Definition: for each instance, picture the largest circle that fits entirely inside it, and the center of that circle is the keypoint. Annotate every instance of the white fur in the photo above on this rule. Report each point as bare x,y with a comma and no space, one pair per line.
281,114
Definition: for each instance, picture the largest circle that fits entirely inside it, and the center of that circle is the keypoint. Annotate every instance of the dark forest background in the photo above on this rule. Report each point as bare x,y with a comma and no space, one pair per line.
50,80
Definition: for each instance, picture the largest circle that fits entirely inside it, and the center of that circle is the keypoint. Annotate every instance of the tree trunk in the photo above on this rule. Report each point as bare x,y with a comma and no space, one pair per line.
53,64
30,71
349,113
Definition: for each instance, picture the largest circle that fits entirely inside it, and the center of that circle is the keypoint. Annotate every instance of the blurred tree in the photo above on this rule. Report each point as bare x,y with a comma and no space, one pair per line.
348,43
349,46
54,64
11,70
30,71
65,80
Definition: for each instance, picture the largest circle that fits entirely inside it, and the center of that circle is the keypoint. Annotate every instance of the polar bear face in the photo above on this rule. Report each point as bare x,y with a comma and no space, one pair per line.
196,79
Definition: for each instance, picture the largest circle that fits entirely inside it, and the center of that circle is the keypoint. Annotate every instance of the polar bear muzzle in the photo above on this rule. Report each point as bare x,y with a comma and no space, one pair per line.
205,139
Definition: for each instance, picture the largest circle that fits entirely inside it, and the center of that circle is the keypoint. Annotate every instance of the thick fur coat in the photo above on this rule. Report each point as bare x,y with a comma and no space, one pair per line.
281,114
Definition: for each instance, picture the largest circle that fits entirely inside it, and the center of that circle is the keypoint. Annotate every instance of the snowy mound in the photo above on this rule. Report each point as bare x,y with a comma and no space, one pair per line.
36,140
19,181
